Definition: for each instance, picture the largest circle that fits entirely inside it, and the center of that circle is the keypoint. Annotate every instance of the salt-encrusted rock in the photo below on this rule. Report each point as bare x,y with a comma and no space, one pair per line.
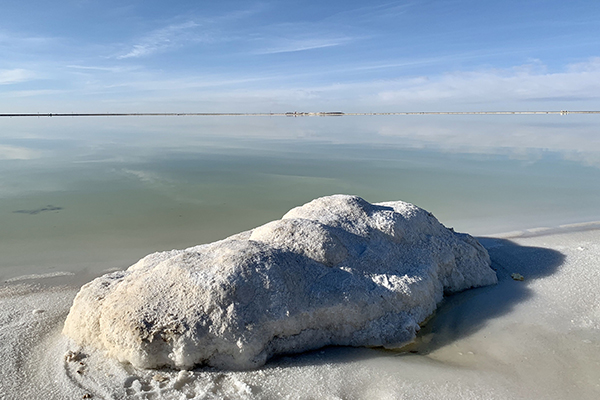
336,271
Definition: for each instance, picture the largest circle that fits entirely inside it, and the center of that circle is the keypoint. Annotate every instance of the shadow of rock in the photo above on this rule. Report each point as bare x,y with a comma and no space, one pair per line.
465,313
459,315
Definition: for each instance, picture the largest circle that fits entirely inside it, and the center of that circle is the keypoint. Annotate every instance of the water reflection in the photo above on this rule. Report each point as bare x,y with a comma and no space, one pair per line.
123,187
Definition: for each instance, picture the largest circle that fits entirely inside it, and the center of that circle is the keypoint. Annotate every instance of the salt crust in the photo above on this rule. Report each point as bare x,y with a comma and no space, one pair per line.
336,271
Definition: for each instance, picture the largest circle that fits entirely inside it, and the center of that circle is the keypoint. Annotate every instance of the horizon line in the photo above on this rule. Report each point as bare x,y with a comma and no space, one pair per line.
295,113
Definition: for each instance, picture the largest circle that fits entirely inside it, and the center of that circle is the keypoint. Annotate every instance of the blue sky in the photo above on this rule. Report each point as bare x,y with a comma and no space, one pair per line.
252,56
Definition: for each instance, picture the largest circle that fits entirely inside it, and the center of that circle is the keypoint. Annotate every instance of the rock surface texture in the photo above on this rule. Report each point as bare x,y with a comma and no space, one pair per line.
335,271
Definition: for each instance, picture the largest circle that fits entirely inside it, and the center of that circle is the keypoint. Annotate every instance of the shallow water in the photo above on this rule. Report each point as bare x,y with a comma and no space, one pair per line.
99,193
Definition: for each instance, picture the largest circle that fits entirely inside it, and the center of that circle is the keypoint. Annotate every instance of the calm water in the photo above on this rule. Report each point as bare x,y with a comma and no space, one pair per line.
99,193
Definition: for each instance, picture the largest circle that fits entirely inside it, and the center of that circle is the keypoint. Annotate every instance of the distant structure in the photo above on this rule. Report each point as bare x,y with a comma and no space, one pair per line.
312,114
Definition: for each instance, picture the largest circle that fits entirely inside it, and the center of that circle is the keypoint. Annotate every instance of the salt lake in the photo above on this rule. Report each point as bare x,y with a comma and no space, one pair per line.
83,196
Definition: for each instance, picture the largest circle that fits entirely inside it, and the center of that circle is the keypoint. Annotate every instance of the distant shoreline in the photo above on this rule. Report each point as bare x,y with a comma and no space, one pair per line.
294,114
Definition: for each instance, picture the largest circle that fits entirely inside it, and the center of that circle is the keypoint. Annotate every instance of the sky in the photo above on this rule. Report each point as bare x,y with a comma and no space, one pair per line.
279,56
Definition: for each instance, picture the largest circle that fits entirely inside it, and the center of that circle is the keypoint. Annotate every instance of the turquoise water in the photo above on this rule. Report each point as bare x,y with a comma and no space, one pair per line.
99,193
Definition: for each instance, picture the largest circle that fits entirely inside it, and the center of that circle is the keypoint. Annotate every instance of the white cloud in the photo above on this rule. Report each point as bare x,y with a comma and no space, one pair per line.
10,76
526,87
163,39
592,65
524,83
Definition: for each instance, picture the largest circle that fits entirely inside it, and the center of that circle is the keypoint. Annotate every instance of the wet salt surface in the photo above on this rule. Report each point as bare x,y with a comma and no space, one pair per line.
537,338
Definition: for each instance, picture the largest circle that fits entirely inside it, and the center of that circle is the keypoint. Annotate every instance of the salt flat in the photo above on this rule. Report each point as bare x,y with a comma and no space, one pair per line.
537,338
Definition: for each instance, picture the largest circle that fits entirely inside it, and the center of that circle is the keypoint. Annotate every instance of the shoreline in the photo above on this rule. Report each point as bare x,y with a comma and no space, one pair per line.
539,338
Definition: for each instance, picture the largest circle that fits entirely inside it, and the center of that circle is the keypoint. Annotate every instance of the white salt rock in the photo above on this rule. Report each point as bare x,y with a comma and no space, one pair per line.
336,271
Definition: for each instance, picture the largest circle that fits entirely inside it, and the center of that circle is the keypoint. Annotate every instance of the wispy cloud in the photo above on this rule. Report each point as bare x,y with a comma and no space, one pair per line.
33,93
19,41
374,12
117,69
521,87
163,39
292,45
523,83
10,76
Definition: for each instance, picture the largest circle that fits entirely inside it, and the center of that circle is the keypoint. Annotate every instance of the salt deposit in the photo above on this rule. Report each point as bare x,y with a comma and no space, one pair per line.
536,339
336,271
